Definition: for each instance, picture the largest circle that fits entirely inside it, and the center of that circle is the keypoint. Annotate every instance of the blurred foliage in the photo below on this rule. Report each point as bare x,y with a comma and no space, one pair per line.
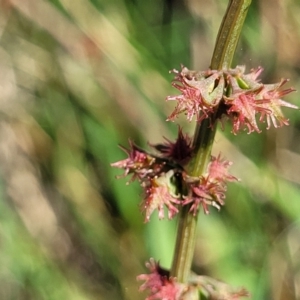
80,77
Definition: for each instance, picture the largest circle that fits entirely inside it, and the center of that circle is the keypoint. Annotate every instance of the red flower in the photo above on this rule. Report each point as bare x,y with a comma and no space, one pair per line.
161,193
168,291
153,281
139,162
209,190
259,98
160,285
272,112
242,111
218,170
205,193
200,93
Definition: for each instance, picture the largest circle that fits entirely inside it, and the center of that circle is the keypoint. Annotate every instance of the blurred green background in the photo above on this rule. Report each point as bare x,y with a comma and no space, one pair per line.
79,77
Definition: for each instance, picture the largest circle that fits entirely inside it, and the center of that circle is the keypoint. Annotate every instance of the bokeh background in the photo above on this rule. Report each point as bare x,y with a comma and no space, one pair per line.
79,77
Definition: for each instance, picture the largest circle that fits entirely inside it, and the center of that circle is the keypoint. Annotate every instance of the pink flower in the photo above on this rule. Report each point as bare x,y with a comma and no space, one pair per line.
200,93
218,170
159,284
244,105
153,281
272,103
242,112
139,162
168,291
160,193
205,193
209,190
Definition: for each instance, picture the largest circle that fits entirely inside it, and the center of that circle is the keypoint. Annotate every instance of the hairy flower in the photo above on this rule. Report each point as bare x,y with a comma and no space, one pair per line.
249,98
242,112
209,190
159,284
218,170
200,93
139,163
153,281
160,193
271,95
205,193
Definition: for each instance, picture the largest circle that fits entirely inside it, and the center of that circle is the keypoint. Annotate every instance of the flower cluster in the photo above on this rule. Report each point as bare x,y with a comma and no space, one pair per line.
166,182
163,287
214,95
232,94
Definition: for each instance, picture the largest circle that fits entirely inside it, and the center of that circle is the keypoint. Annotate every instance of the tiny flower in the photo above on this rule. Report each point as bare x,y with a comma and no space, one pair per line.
208,190
139,162
200,93
249,97
205,193
216,289
218,169
160,193
168,291
263,99
159,284
153,281
272,103
179,151
242,112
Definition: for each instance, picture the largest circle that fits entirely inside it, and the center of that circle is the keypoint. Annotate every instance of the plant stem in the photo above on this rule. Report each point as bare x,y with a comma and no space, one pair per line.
227,39
229,33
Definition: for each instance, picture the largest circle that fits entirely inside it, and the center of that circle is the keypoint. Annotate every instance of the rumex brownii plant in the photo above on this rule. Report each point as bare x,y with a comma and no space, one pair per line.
183,177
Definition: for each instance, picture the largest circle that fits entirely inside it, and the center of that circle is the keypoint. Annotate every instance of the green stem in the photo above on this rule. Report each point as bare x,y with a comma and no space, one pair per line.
229,33
204,136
